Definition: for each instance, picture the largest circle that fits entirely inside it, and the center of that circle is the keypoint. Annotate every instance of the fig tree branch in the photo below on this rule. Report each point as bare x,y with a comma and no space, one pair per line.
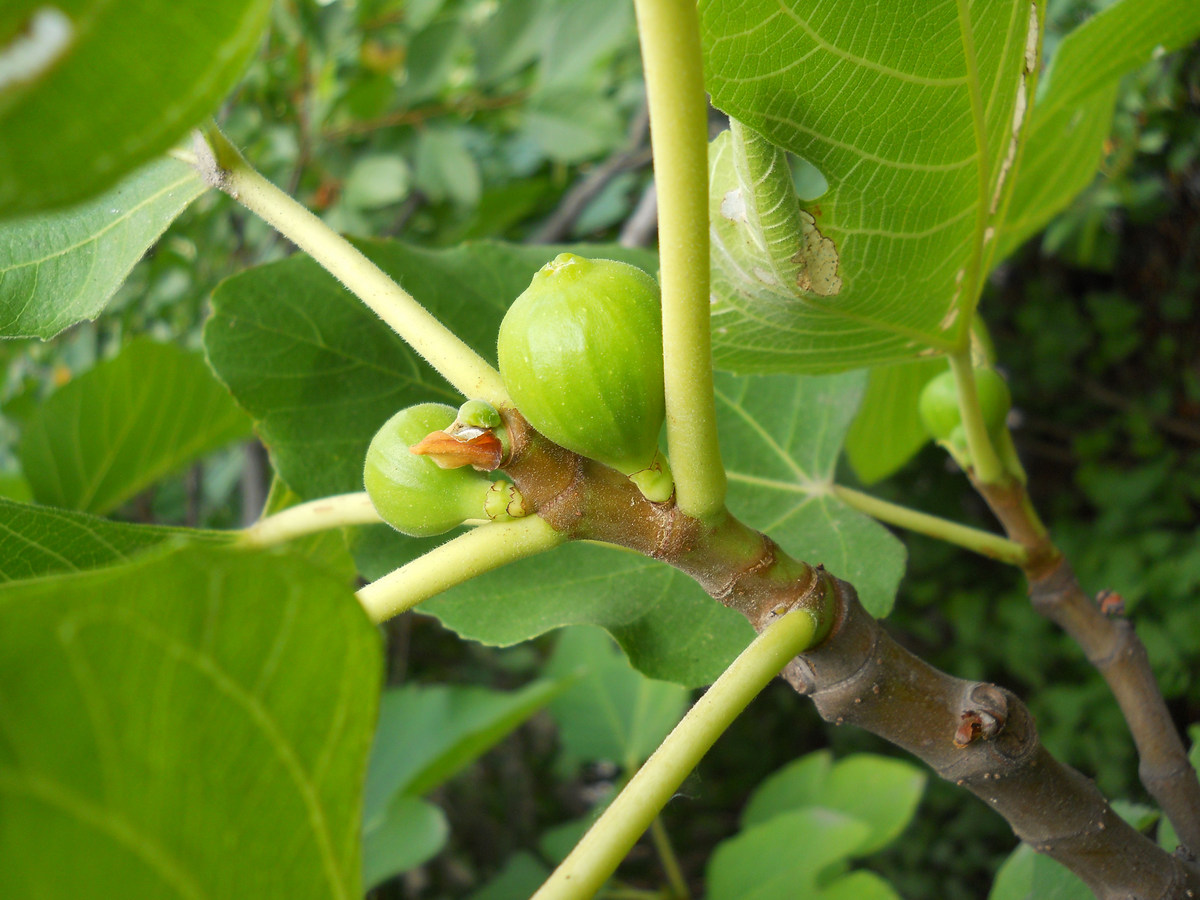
1112,646
983,738
974,734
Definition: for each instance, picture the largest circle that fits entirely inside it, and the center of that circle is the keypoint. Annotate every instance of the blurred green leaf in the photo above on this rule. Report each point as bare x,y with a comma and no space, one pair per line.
610,712
426,734
1074,110
780,439
193,724
118,428
879,791
887,431
411,832
41,540
89,90
445,170
572,126
782,858
58,268
1027,875
521,876
580,35
878,97
377,181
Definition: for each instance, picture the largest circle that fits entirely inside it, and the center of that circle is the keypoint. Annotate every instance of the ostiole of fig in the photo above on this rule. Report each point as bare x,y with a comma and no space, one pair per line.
470,446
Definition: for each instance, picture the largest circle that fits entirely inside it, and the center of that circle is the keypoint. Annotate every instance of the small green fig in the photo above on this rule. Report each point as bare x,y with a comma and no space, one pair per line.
413,493
938,404
581,356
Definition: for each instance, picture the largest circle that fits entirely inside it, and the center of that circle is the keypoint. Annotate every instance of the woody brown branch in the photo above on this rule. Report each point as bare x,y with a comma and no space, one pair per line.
1112,646
861,676
974,734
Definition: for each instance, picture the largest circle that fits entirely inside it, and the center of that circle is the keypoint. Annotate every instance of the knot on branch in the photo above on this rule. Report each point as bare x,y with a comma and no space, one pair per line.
984,718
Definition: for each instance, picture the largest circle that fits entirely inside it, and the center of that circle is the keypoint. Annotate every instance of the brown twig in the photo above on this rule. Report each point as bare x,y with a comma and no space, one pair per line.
641,226
983,738
1112,646
634,155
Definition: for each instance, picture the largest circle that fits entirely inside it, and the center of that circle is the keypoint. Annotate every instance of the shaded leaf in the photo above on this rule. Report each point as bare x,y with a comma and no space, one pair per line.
1027,875
59,268
426,734
611,712
782,858
193,724
93,89
668,627
121,426
887,430
909,114
780,437
521,876
41,540
410,832
1074,110
879,791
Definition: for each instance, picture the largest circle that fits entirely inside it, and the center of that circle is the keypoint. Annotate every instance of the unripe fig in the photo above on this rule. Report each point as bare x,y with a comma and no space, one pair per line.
581,356
412,493
938,404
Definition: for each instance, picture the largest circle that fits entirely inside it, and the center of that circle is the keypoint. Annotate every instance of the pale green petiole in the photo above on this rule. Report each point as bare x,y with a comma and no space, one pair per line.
982,542
223,167
308,518
985,463
460,559
669,31
597,856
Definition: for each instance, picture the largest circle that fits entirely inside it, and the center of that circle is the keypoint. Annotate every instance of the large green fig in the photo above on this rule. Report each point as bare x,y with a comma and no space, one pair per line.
413,493
581,356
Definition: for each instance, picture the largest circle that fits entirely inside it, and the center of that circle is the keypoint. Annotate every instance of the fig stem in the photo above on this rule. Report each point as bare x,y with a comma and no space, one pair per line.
597,856
669,31
982,542
985,463
311,517
460,559
223,167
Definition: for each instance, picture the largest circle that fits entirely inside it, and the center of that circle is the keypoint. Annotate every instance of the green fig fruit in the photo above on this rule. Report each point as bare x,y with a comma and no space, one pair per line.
938,404
581,356
413,493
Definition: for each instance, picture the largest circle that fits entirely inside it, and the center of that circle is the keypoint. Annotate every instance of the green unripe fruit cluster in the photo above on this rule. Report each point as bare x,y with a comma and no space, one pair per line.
581,356
412,493
938,406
